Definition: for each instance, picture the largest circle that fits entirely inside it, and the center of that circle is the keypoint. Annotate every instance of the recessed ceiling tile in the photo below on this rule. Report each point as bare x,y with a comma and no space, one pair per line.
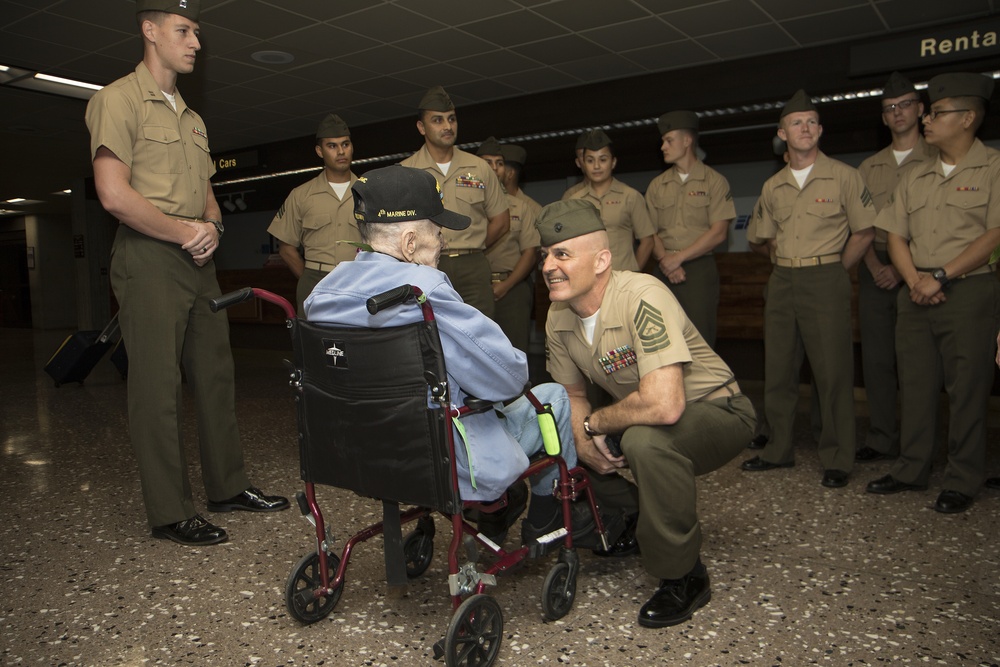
303,126
223,70
906,13
844,24
561,49
325,40
12,12
633,34
384,109
44,26
218,41
95,68
600,68
111,14
385,59
482,91
311,111
537,80
332,73
670,56
324,10
513,29
386,86
256,115
337,98
447,44
781,10
660,6
457,13
437,74
19,51
748,42
583,14
716,17
497,63
283,86
253,18
299,56
388,23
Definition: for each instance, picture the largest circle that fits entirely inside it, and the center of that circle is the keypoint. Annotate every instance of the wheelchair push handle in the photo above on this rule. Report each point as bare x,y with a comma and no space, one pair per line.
393,297
249,293
231,299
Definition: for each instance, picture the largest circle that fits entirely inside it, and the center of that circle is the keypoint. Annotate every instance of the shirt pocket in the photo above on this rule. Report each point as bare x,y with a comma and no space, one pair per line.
966,211
203,155
782,216
316,228
918,214
162,150
696,211
469,197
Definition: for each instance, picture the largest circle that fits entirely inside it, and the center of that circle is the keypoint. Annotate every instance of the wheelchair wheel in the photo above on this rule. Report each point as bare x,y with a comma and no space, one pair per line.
304,579
418,550
558,592
474,633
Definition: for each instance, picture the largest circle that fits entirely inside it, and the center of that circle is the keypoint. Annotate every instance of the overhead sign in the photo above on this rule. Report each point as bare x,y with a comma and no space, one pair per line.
239,160
934,45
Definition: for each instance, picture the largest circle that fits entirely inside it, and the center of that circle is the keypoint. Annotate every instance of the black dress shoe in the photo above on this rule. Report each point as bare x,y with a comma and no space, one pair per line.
992,483
676,600
494,525
867,454
952,502
889,484
834,479
251,500
626,545
759,442
756,464
193,532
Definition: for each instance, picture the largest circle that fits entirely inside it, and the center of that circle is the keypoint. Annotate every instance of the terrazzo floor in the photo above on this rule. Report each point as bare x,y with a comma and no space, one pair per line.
801,574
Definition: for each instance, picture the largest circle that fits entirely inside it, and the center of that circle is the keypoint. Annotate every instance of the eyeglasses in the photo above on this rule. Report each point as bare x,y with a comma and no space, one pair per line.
931,115
905,104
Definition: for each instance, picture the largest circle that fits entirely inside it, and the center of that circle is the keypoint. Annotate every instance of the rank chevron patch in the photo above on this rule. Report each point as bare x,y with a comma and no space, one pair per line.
651,328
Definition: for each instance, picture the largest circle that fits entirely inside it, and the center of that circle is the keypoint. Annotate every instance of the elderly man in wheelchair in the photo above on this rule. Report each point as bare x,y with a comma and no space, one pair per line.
400,217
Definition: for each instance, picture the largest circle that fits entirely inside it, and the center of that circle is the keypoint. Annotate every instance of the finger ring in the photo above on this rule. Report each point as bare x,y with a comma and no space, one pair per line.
204,249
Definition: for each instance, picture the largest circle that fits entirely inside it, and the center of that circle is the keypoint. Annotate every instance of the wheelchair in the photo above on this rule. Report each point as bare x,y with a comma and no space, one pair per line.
374,417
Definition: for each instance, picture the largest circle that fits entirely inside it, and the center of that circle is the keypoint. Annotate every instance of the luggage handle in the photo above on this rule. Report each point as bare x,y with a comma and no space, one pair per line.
110,331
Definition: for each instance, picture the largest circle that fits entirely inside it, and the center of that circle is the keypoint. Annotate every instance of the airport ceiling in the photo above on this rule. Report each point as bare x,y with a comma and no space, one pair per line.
371,60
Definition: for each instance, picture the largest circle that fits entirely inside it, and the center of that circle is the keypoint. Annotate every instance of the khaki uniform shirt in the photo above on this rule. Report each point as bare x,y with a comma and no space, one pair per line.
817,219
940,216
624,213
684,210
573,189
505,253
640,327
535,207
314,219
166,150
470,188
881,174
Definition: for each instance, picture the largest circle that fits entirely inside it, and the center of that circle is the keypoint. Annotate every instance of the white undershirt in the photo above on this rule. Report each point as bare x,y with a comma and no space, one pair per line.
340,188
947,168
901,155
589,324
684,177
172,99
444,167
801,175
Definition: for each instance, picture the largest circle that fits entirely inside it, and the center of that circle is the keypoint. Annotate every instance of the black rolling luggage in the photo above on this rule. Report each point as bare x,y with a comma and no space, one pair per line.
80,352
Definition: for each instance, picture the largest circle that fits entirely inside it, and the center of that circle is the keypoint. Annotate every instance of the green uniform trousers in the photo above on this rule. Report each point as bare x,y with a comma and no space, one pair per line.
513,314
810,308
307,282
665,461
470,276
166,322
954,341
699,294
877,314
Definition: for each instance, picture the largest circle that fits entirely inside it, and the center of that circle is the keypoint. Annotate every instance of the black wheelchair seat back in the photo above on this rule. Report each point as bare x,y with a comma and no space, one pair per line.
365,423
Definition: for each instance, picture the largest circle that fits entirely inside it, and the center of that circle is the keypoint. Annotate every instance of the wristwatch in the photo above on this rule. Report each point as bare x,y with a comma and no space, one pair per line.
218,226
586,427
941,276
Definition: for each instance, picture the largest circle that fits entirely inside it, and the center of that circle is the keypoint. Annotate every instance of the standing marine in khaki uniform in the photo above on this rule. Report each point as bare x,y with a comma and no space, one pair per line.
469,187
315,226
817,216
514,158
151,169
944,222
578,160
677,410
691,206
878,280
512,259
622,207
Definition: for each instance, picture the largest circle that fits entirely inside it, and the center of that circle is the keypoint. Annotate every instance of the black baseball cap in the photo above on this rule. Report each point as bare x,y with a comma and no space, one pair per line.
403,194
